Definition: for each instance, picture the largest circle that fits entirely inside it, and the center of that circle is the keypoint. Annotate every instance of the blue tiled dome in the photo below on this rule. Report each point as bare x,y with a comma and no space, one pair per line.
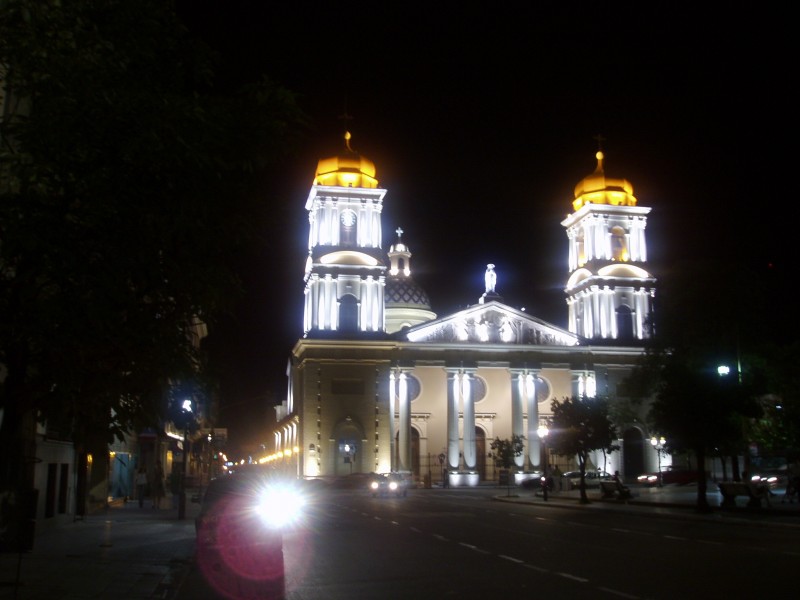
404,291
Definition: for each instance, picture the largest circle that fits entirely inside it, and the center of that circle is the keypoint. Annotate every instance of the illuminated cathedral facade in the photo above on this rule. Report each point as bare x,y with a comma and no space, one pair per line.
379,382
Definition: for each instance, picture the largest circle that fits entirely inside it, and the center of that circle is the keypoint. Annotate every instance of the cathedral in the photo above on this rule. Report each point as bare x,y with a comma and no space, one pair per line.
379,382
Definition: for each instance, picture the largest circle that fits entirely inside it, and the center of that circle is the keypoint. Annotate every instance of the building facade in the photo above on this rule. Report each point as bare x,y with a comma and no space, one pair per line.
379,382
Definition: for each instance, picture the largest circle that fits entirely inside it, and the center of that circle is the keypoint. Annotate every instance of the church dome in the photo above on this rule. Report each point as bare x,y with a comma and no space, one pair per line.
404,291
596,188
347,169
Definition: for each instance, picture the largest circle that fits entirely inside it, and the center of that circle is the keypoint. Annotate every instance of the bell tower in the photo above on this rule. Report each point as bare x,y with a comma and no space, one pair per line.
609,290
344,291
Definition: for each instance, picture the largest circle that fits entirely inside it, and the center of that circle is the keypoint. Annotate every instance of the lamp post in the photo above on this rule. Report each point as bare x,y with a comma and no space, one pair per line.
658,444
350,450
543,431
186,417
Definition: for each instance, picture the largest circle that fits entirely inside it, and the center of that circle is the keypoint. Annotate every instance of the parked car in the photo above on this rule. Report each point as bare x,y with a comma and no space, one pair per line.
670,474
389,484
771,480
572,479
240,529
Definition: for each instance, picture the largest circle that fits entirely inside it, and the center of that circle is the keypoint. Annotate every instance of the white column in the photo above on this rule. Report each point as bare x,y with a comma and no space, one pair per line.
576,383
405,424
453,385
392,428
532,399
468,396
518,399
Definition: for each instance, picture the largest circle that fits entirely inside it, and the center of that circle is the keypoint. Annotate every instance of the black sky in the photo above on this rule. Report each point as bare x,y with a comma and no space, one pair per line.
481,120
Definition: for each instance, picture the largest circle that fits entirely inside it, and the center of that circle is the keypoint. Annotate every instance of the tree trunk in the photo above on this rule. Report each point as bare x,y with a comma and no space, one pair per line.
702,482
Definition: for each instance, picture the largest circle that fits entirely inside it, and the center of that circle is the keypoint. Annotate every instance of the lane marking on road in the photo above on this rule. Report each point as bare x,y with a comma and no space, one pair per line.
440,537
394,523
511,558
618,593
618,530
572,577
475,548
674,537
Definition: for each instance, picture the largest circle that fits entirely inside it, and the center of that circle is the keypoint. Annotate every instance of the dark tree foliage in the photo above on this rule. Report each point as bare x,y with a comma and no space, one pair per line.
776,430
698,411
506,450
126,195
711,314
579,426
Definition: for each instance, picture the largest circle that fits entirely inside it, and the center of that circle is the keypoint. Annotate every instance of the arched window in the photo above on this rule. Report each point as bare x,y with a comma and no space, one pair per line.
348,313
580,248
619,245
624,323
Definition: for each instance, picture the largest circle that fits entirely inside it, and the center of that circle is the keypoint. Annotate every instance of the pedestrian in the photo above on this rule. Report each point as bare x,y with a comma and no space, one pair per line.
141,484
157,489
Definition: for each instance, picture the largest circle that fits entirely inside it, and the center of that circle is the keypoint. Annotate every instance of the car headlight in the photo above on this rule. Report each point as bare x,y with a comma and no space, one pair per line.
393,485
374,485
280,505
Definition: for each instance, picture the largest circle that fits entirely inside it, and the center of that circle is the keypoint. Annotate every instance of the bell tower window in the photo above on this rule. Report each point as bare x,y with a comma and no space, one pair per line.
619,245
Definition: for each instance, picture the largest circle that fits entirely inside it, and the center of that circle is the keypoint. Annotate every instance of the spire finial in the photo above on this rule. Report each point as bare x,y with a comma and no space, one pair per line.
599,139
399,232
599,155
346,117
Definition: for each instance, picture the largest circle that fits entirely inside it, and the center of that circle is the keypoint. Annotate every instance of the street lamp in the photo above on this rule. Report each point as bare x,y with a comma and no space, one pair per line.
543,431
186,415
350,450
658,444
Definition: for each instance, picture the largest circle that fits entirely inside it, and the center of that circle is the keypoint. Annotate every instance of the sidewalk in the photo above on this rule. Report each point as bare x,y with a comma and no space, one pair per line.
121,552
670,499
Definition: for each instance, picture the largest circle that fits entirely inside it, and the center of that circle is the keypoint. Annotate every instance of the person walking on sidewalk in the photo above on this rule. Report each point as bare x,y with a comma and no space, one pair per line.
157,488
141,484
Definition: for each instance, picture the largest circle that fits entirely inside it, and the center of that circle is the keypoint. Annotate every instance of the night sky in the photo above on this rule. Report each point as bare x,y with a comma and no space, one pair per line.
481,120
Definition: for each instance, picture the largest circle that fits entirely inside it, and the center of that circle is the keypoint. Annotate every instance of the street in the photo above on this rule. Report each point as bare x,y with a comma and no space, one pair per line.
463,543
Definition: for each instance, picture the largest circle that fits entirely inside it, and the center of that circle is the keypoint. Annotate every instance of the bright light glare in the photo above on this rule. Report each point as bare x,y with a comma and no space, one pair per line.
280,506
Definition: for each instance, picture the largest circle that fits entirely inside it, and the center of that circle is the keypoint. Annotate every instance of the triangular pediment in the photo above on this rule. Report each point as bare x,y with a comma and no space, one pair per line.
491,323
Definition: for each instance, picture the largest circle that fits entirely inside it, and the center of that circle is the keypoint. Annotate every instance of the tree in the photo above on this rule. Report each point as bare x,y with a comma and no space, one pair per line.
579,426
126,194
776,431
698,410
506,450
704,322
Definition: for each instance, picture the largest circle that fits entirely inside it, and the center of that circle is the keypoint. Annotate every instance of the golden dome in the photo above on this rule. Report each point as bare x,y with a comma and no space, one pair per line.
348,169
599,189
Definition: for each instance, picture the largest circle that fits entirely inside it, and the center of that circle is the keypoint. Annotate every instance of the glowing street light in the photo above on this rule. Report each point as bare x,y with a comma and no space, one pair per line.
658,444
543,431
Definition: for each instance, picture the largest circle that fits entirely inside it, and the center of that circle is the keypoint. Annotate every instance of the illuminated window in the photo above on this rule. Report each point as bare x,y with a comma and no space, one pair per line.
580,248
619,247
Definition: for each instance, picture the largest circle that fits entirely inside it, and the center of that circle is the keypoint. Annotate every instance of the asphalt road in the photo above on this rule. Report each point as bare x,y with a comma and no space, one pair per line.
467,544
